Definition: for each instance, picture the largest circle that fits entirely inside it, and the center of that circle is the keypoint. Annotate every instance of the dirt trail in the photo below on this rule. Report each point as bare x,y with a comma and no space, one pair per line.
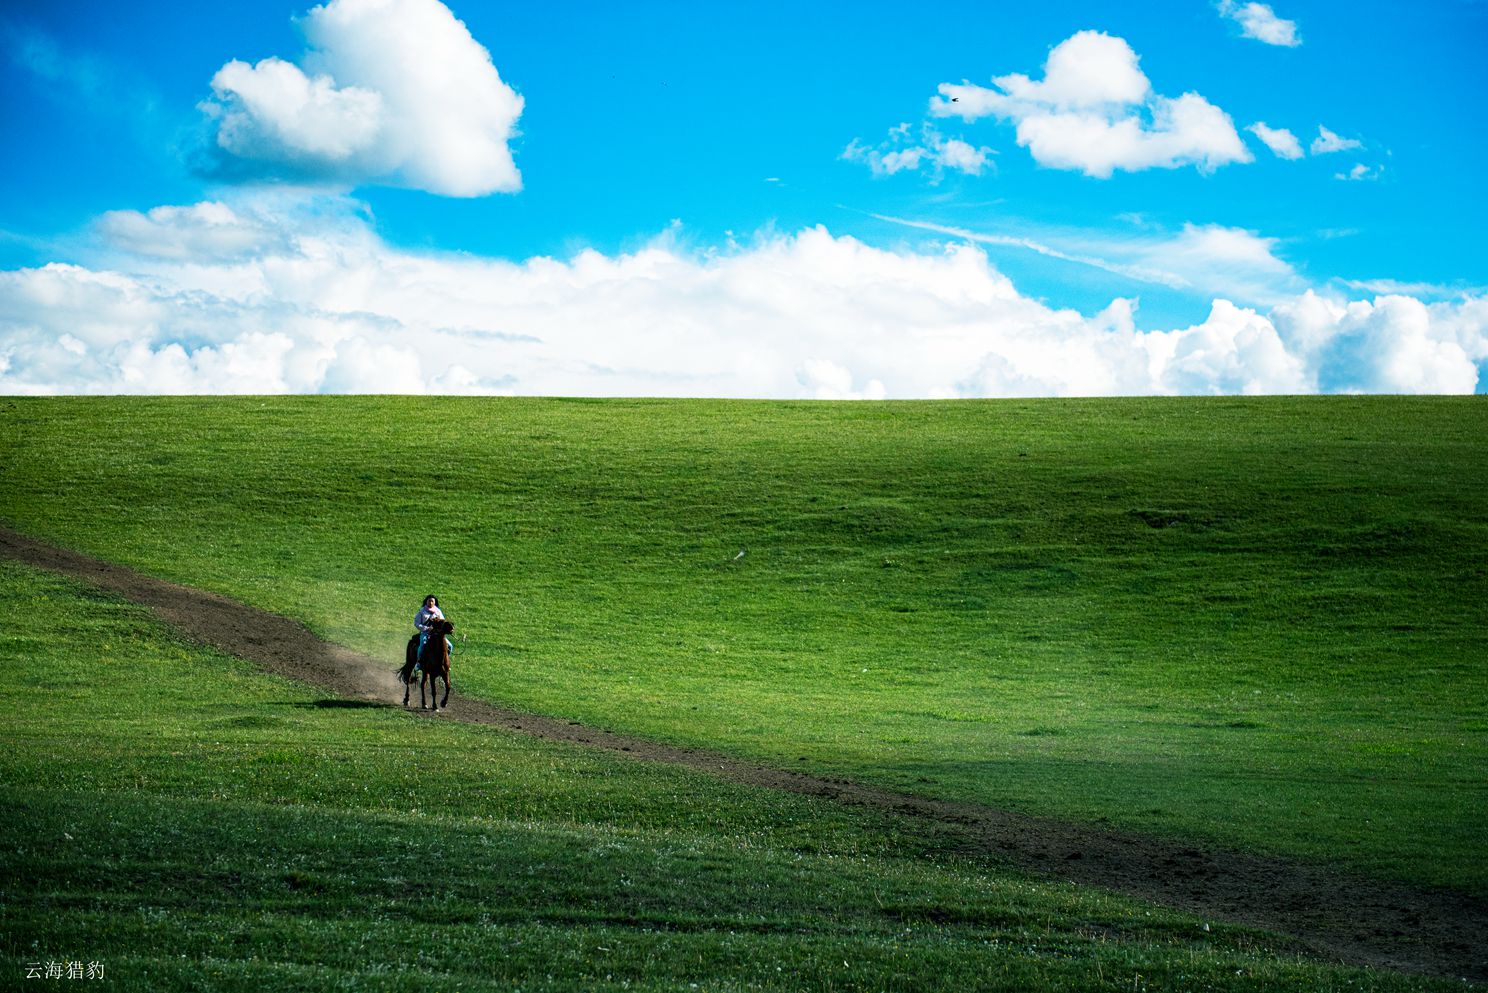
1337,915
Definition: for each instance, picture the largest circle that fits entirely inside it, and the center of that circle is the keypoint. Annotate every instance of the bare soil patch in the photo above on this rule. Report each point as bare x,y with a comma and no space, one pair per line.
1333,913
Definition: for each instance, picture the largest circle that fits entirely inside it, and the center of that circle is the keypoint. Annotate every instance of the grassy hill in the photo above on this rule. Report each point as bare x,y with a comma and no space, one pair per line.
186,824
1252,622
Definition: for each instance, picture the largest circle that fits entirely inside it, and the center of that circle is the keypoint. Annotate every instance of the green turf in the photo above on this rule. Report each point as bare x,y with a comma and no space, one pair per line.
187,825
1257,622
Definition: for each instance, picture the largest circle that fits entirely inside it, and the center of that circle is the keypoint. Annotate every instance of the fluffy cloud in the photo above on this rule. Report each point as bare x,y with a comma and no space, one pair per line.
1089,70
1281,141
1393,344
331,308
275,113
897,154
1095,111
1259,21
389,91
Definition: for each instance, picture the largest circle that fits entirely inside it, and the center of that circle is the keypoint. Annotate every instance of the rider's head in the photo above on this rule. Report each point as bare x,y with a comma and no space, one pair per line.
431,601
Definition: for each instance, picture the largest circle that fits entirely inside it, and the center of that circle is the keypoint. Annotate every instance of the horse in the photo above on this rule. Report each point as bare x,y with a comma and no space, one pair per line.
433,660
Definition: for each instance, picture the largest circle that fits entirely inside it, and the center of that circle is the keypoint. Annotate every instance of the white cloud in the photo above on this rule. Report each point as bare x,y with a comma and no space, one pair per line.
884,162
330,307
1327,142
895,154
274,112
825,380
389,91
1359,173
1281,141
1204,259
1259,21
1286,146
362,366
1078,255
209,231
1087,71
1214,243
957,154
1235,351
1465,323
251,363
1396,287
1393,344
1095,111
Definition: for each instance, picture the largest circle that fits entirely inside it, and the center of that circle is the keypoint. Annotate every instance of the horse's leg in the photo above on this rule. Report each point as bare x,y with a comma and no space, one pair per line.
444,670
423,679
410,660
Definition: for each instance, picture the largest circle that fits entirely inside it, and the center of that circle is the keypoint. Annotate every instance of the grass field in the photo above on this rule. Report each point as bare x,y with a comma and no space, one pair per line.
1257,622
188,824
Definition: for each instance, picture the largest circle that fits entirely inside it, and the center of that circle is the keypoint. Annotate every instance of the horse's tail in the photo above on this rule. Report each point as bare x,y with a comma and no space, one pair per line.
410,659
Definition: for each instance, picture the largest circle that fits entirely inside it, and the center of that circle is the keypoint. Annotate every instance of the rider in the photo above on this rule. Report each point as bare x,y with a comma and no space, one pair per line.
427,614
426,617
424,620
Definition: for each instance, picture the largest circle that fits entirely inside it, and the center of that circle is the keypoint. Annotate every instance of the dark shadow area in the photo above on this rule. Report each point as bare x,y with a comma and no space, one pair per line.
332,704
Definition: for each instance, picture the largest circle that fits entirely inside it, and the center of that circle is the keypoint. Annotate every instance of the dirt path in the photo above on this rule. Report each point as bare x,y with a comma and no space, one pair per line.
1348,918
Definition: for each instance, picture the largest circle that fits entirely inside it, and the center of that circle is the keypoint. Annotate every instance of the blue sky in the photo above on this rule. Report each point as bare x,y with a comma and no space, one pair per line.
751,199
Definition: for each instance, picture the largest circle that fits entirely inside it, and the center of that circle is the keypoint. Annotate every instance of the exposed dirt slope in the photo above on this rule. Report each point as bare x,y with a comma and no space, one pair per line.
1337,915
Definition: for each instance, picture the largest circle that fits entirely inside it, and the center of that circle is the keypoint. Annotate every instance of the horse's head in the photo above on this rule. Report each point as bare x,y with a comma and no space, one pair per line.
440,626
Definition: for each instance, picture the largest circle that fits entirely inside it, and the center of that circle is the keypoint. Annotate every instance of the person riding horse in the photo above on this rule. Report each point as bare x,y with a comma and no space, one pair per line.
434,665
432,659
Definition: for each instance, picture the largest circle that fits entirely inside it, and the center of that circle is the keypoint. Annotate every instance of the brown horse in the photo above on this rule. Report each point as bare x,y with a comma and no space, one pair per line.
433,660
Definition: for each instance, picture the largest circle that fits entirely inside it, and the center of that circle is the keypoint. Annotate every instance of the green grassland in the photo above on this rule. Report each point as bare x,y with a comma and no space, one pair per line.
1253,622
190,824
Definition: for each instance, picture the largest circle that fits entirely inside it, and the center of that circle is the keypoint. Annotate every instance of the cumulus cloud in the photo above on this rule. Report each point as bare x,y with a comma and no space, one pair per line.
1095,111
1282,142
332,308
273,112
1259,21
1392,344
389,91
1326,142
898,154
